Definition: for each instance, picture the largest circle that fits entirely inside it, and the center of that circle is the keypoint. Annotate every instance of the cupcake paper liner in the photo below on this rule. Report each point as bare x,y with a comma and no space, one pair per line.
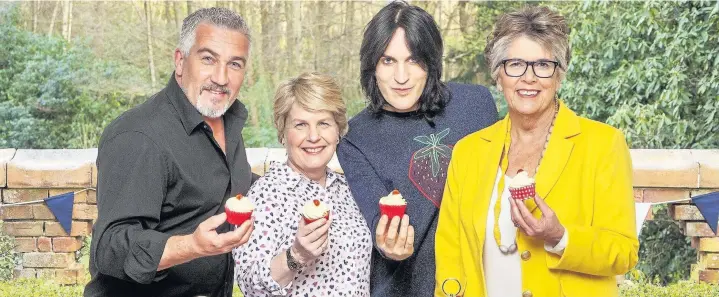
523,193
309,221
237,218
392,210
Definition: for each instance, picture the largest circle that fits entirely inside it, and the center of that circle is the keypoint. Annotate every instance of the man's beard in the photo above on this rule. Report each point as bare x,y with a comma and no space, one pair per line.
207,108
210,110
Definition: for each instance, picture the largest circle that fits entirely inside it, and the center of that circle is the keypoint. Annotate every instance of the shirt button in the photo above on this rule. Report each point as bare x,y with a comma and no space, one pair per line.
526,255
527,293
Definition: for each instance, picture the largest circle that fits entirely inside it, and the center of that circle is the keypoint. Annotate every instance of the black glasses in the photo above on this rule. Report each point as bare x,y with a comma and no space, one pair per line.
541,68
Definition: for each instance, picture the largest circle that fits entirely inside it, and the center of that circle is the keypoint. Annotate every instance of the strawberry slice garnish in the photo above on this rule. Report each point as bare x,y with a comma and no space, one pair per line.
239,196
395,192
316,202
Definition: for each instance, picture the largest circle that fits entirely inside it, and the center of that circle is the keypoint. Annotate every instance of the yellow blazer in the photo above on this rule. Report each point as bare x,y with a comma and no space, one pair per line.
585,177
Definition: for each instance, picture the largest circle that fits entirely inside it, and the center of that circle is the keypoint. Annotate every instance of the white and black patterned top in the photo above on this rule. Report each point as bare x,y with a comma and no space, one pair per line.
342,270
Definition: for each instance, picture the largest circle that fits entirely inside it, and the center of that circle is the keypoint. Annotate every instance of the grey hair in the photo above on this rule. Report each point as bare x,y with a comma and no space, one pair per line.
216,16
537,23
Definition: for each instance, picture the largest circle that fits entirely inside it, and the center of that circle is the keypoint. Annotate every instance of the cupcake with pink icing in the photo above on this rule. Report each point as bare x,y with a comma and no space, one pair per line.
522,187
315,210
238,209
393,205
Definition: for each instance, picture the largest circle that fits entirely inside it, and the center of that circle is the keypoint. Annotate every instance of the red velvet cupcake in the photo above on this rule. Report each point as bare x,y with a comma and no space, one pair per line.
315,210
238,209
393,205
522,187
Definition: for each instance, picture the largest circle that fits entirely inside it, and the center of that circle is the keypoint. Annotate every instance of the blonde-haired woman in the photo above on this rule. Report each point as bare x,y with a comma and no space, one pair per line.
286,256
578,232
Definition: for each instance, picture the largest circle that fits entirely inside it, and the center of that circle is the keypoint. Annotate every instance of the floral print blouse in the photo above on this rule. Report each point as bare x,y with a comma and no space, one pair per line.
342,270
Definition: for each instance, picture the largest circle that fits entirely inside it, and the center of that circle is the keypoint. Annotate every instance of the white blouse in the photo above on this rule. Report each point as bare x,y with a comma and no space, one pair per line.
342,270
503,272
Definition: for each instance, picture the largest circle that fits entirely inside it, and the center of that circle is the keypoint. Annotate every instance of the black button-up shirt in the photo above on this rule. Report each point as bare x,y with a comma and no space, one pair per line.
161,173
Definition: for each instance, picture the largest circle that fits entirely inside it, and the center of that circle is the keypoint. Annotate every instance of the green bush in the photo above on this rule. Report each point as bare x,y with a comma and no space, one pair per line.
8,257
665,254
57,94
680,289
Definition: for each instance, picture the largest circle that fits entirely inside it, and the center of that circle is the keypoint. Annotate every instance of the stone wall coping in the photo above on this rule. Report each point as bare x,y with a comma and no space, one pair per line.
653,168
5,156
53,159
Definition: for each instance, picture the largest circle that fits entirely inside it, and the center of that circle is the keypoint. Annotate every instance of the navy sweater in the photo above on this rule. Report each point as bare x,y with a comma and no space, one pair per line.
402,151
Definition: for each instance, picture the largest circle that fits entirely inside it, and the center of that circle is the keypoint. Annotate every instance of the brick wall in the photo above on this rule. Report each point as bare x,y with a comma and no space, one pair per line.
48,252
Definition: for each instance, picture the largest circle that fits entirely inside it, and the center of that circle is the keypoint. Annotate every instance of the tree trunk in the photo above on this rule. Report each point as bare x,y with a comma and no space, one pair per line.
35,10
69,23
178,21
167,12
151,60
189,7
52,21
265,38
65,17
321,36
347,38
297,32
464,16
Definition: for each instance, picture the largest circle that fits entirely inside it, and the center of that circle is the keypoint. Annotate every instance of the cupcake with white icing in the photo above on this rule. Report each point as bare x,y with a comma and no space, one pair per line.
522,186
393,205
315,210
238,209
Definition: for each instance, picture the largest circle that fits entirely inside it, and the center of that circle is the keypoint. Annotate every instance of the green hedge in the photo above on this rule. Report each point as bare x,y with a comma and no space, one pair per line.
680,289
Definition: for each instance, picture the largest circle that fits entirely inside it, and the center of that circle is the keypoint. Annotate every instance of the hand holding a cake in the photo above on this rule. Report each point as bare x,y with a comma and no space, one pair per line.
547,227
313,232
238,211
393,243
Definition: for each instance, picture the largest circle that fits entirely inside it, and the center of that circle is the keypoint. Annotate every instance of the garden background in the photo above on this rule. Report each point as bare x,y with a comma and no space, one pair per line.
68,68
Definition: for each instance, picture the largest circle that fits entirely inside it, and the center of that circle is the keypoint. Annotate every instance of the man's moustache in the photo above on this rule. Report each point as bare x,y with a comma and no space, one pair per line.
215,88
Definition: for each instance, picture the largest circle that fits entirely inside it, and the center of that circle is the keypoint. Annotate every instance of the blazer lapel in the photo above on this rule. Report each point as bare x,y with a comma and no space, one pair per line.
557,155
488,163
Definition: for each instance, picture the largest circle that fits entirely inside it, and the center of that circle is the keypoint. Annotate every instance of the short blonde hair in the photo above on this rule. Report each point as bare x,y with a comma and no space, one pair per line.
537,23
314,92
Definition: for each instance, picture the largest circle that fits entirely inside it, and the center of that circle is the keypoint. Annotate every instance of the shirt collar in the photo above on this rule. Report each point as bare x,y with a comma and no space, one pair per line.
293,179
189,116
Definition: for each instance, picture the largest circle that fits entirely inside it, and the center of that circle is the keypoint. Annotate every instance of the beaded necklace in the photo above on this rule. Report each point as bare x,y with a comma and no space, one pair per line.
504,164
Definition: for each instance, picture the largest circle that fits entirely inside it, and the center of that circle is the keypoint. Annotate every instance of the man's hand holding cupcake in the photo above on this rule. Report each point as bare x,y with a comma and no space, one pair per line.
205,241
395,241
312,235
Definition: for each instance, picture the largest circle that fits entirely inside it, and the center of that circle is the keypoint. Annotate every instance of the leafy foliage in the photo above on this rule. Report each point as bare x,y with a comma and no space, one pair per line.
656,79
665,254
8,257
680,289
54,94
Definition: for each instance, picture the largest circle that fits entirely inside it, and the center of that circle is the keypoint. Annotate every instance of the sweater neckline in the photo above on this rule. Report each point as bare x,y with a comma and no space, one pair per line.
414,113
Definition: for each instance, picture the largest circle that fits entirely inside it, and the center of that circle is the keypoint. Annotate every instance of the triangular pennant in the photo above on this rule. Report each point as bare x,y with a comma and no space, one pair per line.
641,209
61,208
708,205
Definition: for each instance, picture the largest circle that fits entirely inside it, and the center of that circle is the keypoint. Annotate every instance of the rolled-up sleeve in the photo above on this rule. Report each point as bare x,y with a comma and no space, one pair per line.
132,180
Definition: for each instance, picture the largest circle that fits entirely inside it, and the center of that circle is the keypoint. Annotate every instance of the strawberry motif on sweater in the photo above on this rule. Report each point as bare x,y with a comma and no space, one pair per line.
428,166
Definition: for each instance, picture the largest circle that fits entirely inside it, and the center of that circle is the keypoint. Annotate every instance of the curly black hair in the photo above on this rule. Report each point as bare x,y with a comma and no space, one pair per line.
424,41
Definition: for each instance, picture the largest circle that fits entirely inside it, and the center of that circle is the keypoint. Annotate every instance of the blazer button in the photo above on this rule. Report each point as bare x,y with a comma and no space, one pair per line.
527,293
526,255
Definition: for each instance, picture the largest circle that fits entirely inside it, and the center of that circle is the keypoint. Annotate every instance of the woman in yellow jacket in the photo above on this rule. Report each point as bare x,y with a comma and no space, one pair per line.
578,232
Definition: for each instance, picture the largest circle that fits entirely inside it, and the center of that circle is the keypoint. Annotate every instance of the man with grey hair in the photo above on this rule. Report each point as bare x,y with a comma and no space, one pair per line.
166,168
